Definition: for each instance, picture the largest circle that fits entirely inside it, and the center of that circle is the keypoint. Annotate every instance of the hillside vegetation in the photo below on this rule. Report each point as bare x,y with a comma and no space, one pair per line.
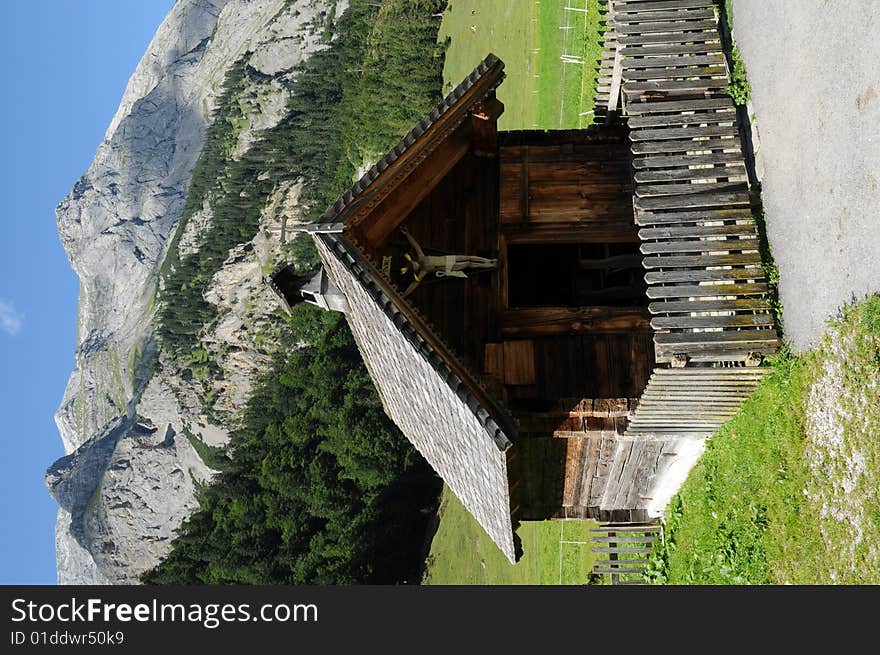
320,486
789,490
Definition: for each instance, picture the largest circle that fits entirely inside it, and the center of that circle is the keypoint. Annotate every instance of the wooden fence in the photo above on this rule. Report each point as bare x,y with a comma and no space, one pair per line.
622,550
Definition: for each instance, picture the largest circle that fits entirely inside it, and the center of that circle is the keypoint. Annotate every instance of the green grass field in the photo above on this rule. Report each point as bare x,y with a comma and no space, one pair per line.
772,502
531,37
555,552
540,91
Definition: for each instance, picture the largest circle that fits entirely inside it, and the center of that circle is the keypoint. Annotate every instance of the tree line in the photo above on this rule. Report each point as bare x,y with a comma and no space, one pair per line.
319,487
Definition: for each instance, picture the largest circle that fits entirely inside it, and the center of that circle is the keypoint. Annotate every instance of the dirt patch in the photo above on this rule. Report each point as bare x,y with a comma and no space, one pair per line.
840,424
863,99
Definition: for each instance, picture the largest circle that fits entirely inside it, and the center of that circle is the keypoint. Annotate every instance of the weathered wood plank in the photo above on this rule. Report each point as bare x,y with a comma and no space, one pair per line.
611,563
639,491
665,120
632,569
620,490
701,374
668,15
638,528
666,434
603,467
720,355
716,350
669,218
679,174
702,261
685,385
696,395
678,106
670,38
657,407
619,459
647,50
702,338
738,320
659,417
651,527
616,80
687,188
588,471
621,8
720,407
636,75
705,382
714,275
721,400
688,201
577,453
666,27
710,384
701,245
632,63
626,537
686,145
714,158
666,87
704,290
687,426
671,408
690,132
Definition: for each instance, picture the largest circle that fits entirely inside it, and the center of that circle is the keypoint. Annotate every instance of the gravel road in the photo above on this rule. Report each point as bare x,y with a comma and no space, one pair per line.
814,68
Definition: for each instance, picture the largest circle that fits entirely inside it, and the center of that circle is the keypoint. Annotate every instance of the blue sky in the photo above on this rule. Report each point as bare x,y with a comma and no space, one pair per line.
65,64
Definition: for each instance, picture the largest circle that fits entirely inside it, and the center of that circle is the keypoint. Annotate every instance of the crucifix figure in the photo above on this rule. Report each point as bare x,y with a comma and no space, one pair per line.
440,265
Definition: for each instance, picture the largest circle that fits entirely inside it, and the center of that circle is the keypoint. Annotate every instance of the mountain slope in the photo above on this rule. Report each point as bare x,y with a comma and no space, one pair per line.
131,470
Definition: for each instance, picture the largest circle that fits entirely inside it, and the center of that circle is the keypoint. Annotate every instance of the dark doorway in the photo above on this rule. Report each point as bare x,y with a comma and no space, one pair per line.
575,275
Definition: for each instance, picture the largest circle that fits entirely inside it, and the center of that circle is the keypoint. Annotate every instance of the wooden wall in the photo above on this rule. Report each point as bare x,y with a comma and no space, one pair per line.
568,374
591,363
460,216
568,185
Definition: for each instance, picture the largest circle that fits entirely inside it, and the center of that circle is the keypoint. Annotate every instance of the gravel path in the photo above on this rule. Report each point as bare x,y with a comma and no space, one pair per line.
814,68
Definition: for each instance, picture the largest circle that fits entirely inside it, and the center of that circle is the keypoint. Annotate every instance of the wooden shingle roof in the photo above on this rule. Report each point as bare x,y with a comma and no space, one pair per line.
462,432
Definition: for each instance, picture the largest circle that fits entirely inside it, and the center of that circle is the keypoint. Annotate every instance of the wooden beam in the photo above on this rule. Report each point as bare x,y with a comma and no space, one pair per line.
621,230
393,210
484,121
615,79
542,321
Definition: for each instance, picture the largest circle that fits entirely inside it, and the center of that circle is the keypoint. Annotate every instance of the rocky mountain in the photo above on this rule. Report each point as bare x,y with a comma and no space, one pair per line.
136,436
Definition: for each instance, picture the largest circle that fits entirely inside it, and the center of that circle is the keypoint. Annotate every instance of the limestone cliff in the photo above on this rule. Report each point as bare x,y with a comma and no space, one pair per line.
128,423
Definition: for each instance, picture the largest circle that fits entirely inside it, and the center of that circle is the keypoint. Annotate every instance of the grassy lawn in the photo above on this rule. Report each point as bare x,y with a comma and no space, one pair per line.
462,553
789,490
531,37
541,91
